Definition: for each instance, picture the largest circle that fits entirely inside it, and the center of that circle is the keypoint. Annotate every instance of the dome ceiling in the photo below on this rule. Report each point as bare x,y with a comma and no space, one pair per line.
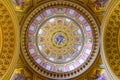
8,40
61,40
110,48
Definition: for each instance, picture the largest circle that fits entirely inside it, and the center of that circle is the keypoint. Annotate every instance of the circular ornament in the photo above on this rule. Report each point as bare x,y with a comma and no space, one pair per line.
60,42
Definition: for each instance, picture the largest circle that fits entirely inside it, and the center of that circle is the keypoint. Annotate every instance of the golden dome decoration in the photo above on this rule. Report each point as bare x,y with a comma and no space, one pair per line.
8,40
60,40
110,48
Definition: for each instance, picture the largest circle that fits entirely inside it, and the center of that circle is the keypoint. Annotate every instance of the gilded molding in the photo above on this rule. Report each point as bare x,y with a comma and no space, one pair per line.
119,39
0,39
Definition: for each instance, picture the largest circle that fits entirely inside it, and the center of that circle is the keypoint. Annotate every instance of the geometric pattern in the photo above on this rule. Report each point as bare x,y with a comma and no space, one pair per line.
60,42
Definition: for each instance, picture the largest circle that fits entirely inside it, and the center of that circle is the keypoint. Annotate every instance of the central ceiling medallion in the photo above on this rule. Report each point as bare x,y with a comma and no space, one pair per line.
59,38
60,42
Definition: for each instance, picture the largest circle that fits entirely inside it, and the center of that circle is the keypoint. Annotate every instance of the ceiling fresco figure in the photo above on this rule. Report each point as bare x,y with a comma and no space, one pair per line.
100,76
20,3
100,3
19,76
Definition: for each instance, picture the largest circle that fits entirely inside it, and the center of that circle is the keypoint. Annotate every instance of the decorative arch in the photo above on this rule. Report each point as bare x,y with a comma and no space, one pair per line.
9,39
110,45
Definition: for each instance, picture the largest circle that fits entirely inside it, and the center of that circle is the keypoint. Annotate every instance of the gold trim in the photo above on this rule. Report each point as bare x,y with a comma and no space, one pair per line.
119,40
0,39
